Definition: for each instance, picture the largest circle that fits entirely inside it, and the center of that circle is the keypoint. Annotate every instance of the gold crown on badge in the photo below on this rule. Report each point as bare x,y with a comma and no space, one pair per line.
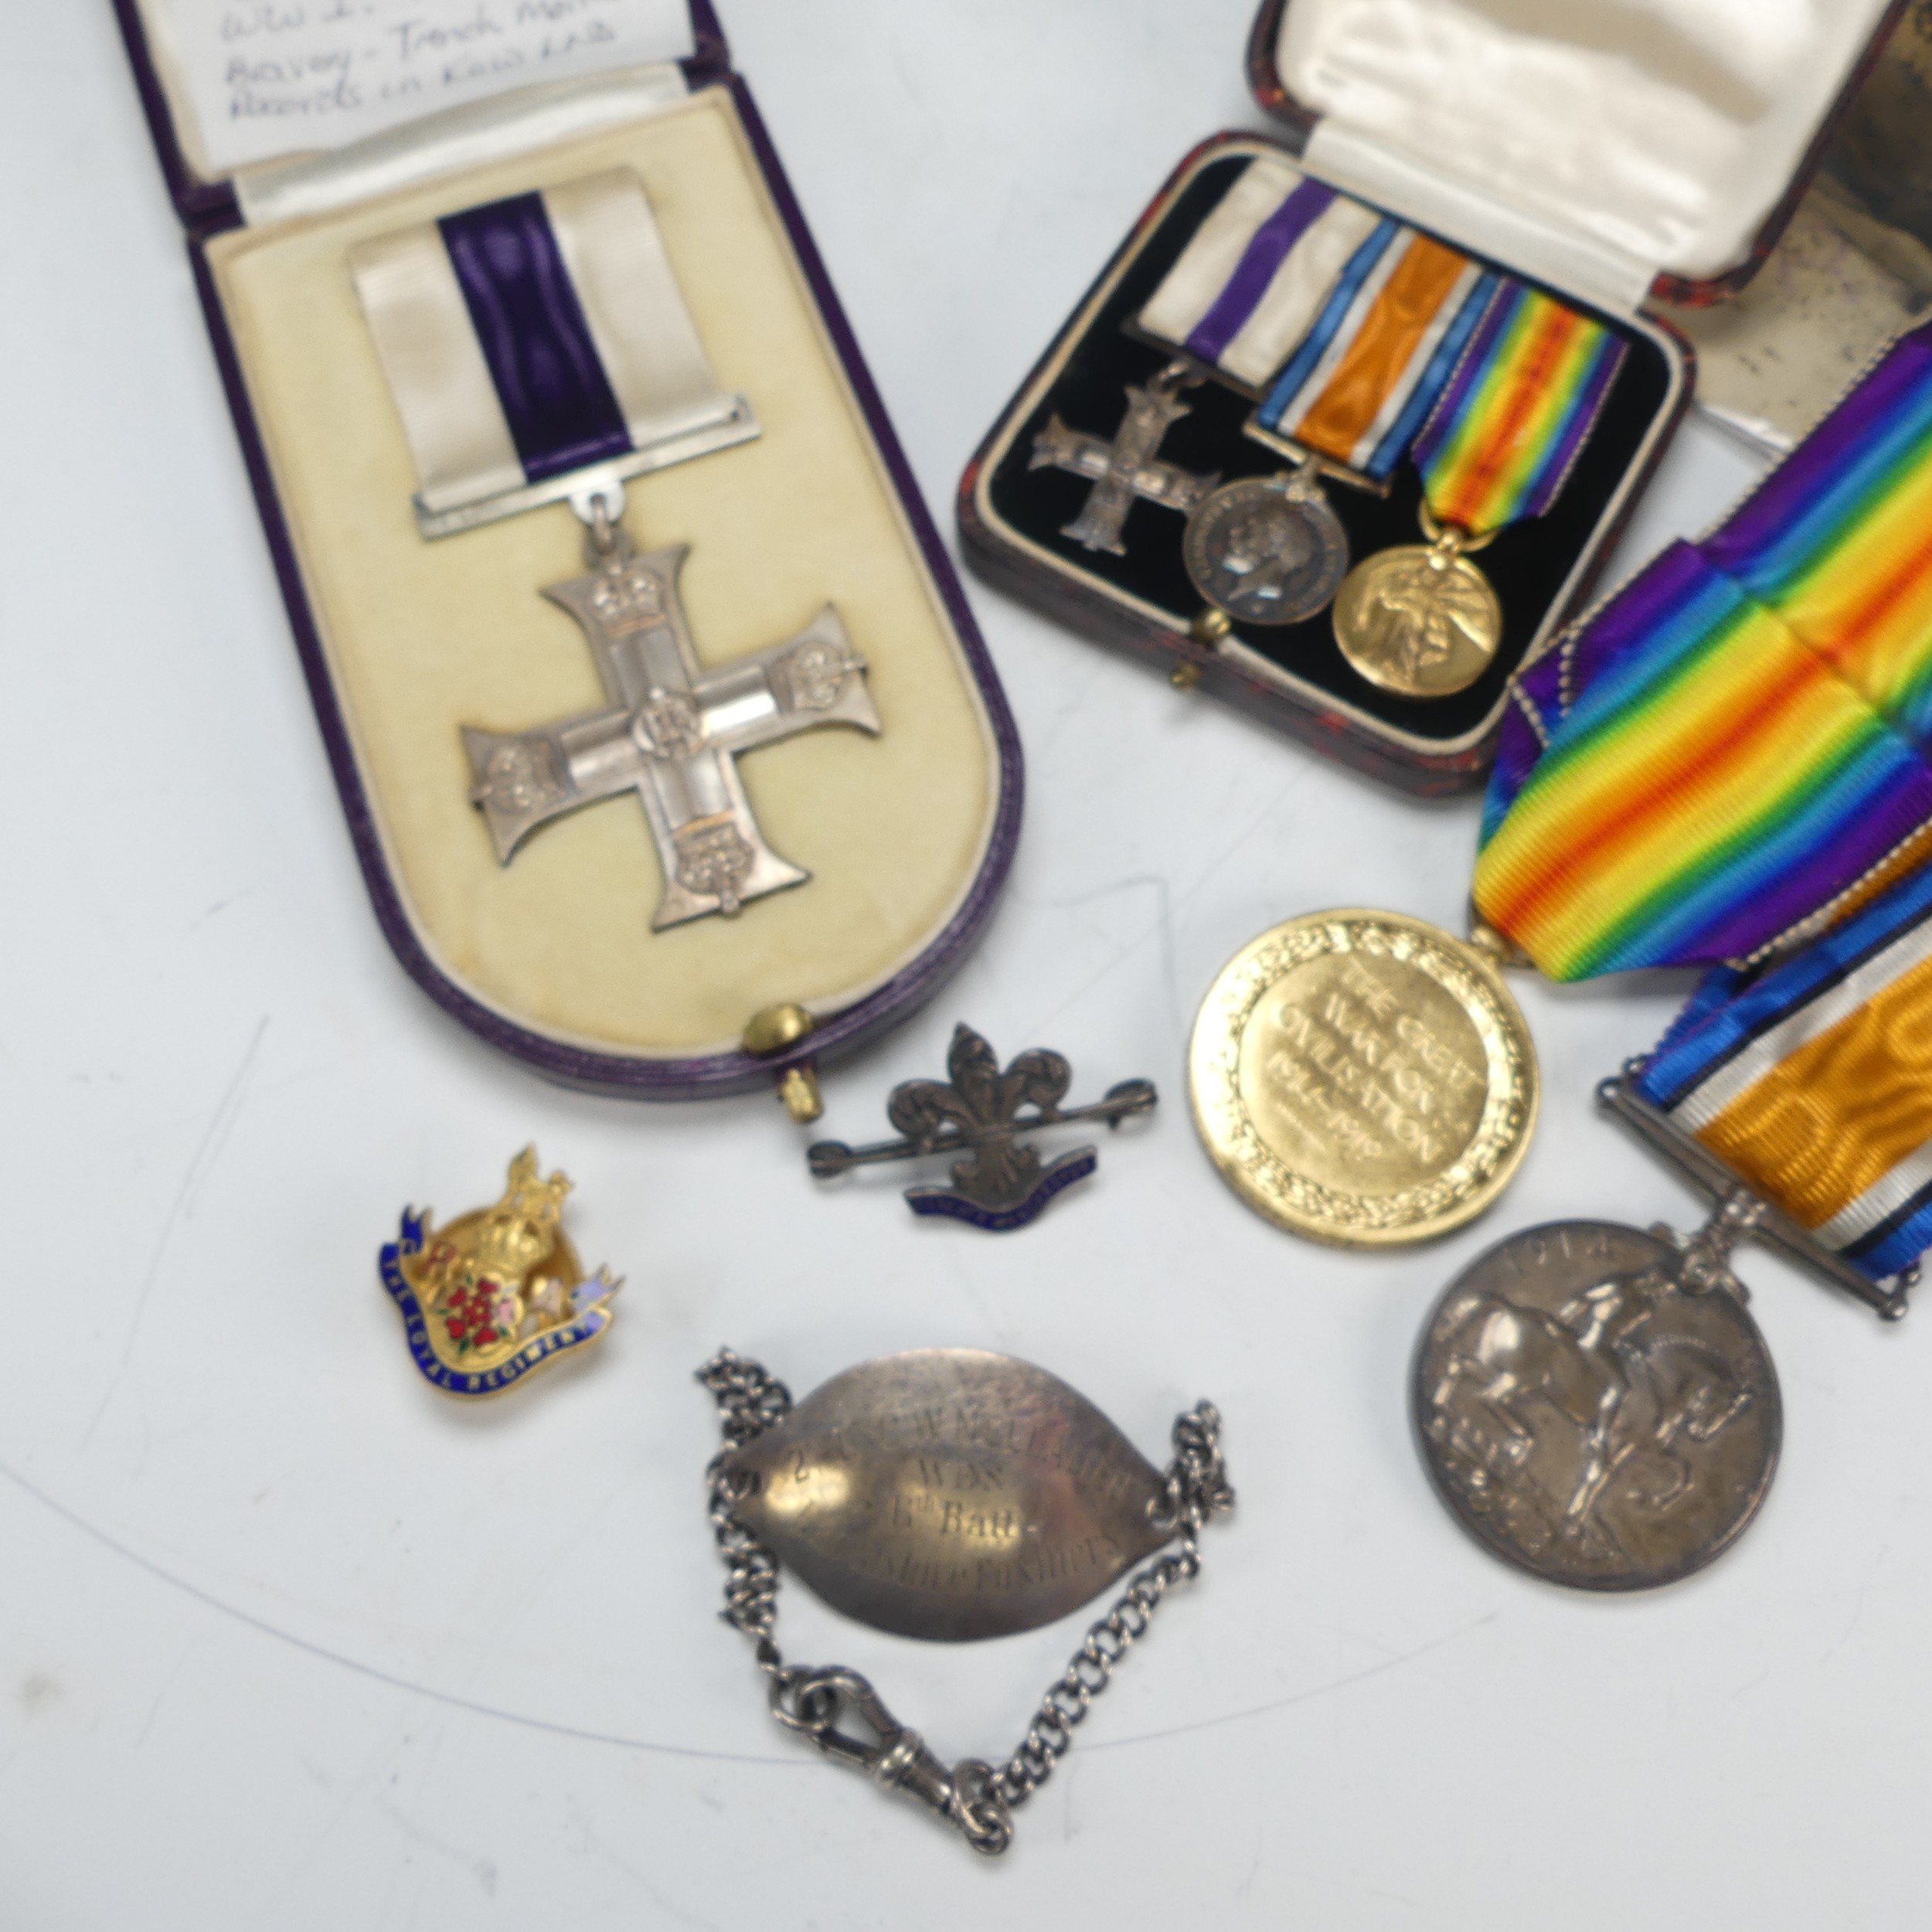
500,1292
522,1228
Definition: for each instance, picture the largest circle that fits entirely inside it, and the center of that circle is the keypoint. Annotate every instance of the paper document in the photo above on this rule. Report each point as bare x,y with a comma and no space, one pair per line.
262,78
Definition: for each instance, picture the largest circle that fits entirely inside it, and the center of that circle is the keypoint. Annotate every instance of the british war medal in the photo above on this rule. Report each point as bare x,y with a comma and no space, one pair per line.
1726,767
948,1495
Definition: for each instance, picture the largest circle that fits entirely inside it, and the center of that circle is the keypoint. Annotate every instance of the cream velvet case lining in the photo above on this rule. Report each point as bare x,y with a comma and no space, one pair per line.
906,834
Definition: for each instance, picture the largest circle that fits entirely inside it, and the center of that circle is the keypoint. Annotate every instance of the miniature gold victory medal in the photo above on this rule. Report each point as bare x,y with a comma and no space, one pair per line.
497,1292
1362,1078
1420,620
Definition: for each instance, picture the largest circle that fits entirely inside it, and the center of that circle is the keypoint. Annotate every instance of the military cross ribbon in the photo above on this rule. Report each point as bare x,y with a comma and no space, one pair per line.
537,346
1255,276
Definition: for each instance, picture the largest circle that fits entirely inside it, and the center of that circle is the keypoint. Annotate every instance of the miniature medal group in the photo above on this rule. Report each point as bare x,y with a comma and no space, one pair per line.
1593,1402
1365,345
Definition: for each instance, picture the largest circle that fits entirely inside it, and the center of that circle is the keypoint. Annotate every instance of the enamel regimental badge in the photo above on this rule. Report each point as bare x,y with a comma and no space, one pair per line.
499,1292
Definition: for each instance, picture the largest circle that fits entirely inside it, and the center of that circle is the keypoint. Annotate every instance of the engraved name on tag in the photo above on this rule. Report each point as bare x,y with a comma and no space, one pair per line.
951,1494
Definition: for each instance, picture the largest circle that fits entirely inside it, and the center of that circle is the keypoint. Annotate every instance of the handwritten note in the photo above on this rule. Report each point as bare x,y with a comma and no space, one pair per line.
269,77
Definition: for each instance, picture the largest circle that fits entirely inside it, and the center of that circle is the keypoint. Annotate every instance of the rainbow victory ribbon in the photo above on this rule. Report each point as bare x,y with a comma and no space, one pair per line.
1506,433
1733,754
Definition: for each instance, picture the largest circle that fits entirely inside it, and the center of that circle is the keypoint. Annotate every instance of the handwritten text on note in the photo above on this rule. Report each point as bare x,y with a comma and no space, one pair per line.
269,77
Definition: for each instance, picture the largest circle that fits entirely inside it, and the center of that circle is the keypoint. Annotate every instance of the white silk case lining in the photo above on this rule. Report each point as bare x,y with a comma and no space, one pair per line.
1591,145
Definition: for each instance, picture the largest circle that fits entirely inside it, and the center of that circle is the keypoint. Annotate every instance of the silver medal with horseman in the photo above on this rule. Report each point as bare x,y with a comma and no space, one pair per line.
1594,1412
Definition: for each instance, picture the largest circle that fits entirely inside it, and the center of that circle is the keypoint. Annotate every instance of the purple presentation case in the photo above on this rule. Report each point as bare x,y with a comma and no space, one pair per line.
209,208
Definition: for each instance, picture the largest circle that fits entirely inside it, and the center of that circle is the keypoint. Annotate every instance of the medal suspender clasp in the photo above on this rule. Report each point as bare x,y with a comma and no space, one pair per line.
1740,1212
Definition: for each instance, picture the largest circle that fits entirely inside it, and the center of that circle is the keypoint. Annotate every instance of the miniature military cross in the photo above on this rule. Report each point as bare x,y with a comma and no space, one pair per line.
670,732
1125,468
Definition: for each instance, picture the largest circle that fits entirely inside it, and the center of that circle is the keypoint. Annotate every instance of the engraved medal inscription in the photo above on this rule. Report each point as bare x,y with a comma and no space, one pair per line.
1586,1418
949,1494
1362,1078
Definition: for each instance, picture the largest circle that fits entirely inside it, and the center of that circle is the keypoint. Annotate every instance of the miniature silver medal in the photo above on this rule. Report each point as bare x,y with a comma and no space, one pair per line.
1127,470
1268,550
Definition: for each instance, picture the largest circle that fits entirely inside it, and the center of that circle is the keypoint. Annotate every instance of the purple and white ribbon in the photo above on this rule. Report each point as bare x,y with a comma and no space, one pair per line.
1256,275
538,347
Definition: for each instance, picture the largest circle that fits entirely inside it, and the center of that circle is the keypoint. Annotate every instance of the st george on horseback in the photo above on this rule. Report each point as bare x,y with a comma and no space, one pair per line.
1637,1399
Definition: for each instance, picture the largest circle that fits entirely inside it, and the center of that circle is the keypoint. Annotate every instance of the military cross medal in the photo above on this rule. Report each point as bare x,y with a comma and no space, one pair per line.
671,731
1126,468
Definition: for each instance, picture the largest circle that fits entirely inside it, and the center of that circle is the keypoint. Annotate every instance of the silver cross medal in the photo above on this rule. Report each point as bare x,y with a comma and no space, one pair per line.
670,732
1126,469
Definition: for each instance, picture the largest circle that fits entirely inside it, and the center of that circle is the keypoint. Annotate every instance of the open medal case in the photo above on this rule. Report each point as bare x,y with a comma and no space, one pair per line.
907,833
1605,158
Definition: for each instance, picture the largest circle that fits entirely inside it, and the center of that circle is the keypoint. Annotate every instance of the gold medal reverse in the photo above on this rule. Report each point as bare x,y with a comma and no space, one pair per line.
1362,1078
1420,620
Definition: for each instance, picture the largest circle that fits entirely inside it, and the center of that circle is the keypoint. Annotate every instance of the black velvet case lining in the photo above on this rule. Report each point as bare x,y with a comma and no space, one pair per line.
1528,563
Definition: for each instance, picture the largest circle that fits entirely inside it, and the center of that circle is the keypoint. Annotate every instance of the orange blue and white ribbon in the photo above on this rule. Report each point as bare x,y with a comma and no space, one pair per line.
1391,333
1812,1083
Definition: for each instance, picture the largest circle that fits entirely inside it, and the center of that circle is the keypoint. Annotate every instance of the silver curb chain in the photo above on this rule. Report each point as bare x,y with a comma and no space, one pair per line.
977,1798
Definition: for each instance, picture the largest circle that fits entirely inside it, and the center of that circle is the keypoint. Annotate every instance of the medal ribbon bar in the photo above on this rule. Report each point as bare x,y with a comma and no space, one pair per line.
1250,284
1363,380
1731,755
1807,1081
1506,432
539,347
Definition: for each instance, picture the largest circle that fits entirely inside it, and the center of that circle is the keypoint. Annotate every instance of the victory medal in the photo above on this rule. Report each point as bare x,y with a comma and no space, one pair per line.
1362,1078
1420,620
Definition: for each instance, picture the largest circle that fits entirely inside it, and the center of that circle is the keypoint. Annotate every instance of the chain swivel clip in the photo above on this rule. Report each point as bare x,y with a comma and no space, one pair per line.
812,1702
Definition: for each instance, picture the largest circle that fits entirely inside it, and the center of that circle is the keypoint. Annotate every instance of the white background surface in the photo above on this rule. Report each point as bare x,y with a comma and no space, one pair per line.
287,1641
